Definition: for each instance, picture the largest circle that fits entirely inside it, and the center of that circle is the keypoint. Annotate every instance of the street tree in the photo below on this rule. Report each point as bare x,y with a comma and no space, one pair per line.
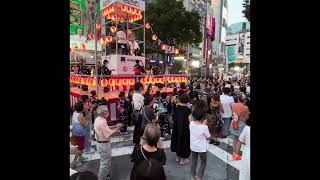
172,23
246,10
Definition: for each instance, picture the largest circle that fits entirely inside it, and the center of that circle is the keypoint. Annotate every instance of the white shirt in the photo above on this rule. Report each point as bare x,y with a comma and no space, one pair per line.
245,136
226,102
103,132
134,45
137,100
122,37
199,133
248,89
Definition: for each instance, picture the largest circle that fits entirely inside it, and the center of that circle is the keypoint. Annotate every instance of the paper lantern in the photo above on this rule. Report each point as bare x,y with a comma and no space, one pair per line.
124,8
94,82
109,39
103,41
131,82
155,37
104,82
176,51
111,9
143,80
108,16
98,26
112,82
83,46
152,80
135,11
129,9
87,82
113,29
114,17
118,82
121,20
163,47
125,82
138,12
147,26
91,36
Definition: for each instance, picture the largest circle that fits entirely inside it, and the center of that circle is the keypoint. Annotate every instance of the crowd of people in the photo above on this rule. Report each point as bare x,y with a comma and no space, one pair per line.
203,110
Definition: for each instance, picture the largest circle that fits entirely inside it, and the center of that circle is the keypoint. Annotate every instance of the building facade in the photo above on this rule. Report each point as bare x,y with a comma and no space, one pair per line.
203,52
238,49
220,11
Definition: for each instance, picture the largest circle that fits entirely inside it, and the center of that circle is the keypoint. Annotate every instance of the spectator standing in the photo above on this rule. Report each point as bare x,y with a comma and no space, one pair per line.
226,101
164,115
103,136
129,106
242,113
87,109
79,125
150,169
180,140
123,112
137,101
199,133
148,150
245,162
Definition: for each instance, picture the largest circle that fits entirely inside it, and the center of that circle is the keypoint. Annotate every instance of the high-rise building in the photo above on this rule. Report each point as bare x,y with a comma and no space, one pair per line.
202,53
220,11
237,28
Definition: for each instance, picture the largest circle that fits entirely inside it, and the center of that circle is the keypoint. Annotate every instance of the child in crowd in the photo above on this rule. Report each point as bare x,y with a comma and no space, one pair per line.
123,112
199,134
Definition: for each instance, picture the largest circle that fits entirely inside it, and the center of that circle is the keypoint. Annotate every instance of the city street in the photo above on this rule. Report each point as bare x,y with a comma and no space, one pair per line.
220,165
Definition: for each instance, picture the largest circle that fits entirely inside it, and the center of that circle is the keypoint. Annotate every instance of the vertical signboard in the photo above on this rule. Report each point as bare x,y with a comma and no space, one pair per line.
231,53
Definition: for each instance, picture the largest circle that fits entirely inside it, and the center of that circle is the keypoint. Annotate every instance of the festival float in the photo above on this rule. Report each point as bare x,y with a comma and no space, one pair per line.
120,19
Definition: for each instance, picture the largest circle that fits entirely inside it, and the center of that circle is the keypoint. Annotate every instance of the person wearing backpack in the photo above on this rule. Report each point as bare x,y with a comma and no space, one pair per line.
137,102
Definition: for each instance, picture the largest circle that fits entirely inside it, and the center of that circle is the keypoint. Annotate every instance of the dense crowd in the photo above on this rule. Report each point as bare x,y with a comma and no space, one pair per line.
197,112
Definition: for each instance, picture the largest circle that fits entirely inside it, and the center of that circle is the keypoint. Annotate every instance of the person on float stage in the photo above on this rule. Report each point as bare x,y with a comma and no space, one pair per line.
122,42
138,69
134,46
105,69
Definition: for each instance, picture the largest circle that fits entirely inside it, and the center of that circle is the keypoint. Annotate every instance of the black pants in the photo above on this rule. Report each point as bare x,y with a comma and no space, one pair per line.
124,121
194,162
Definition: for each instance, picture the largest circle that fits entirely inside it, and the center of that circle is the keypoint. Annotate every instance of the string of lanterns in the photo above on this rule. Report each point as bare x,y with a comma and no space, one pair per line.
91,81
136,15
155,38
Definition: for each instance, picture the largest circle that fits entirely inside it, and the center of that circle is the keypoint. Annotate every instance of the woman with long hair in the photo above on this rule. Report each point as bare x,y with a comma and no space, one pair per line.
215,122
180,140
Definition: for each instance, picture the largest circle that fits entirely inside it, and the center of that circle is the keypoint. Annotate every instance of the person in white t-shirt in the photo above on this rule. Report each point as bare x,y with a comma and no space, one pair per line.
226,101
245,162
199,134
138,102
122,42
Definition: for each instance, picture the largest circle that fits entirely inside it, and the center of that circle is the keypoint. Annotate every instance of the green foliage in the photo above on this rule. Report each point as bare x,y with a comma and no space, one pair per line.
246,10
169,19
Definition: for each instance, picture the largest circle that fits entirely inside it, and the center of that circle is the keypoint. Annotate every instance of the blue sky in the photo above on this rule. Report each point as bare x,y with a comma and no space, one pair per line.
235,11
